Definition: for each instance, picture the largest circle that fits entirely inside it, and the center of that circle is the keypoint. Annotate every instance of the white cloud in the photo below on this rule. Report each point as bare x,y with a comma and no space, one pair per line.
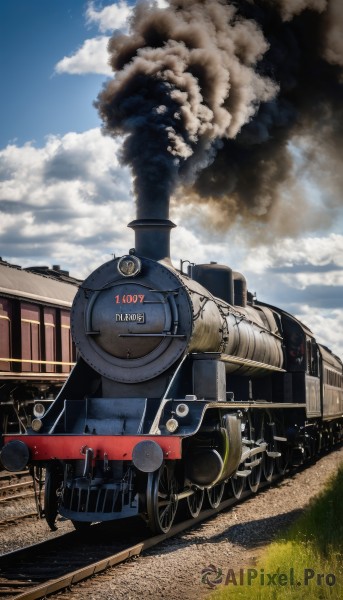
111,17
326,325
68,202
92,57
313,250
303,280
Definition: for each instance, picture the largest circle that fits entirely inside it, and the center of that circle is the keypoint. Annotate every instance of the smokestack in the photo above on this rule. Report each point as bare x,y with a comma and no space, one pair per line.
152,228
152,238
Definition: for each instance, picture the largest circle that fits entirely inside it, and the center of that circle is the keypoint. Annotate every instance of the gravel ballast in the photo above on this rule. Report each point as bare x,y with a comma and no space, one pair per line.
173,570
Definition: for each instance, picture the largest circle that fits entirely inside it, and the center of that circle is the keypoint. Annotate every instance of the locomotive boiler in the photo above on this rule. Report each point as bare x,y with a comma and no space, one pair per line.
183,383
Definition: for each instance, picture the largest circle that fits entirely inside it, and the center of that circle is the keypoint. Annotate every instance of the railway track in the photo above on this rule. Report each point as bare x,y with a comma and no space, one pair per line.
58,563
13,487
51,566
15,518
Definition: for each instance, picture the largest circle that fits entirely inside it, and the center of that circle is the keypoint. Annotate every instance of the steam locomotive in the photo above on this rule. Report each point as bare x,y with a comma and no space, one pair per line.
184,383
36,350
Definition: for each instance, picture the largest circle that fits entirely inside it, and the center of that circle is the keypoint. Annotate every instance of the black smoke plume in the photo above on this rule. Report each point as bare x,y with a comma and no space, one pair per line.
215,96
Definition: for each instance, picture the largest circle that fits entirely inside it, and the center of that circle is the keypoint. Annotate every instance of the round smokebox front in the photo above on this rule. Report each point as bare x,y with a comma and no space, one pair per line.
130,320
131,329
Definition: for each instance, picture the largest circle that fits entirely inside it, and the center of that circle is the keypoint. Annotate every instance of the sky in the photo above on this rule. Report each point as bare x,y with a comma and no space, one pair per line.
66,199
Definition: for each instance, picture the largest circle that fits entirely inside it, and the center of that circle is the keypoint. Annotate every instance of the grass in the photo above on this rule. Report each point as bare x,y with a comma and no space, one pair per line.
304,564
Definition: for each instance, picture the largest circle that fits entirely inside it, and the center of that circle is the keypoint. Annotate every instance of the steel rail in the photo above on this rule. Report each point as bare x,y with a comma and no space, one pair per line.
17,497
19,517
15,482
68,579
54,585
13,486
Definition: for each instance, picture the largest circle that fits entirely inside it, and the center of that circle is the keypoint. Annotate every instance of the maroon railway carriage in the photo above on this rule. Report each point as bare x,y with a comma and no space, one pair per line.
36,350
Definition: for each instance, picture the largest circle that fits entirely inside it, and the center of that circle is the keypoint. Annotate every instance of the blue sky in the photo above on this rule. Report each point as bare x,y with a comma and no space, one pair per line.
35,101
65,199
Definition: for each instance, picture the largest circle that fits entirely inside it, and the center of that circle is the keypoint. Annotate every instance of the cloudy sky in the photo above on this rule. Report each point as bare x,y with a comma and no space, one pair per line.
65,199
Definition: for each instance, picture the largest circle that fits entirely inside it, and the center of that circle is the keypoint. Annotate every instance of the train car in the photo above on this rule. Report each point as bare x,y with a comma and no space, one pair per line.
331,393
314,377
36,350
184,383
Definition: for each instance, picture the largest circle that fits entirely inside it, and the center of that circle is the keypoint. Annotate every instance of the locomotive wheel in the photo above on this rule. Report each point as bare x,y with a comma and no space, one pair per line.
237,485
161,499
255,477
215,494
267,462
267,467
53,480
318,443
282,464
195,502
282,461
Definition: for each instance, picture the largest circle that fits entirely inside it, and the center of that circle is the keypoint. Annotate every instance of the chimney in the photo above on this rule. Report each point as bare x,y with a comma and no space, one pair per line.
152,229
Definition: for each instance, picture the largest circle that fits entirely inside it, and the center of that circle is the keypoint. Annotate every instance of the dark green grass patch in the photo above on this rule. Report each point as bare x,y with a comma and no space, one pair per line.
304,563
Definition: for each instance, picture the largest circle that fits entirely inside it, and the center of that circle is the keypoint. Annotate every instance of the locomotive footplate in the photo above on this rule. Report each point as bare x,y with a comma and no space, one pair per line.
74,447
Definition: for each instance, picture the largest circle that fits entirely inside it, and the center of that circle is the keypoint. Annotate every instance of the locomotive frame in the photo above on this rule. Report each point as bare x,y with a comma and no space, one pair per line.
182,383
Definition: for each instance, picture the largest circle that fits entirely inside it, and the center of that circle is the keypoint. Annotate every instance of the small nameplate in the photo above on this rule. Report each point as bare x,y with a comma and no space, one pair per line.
130,317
